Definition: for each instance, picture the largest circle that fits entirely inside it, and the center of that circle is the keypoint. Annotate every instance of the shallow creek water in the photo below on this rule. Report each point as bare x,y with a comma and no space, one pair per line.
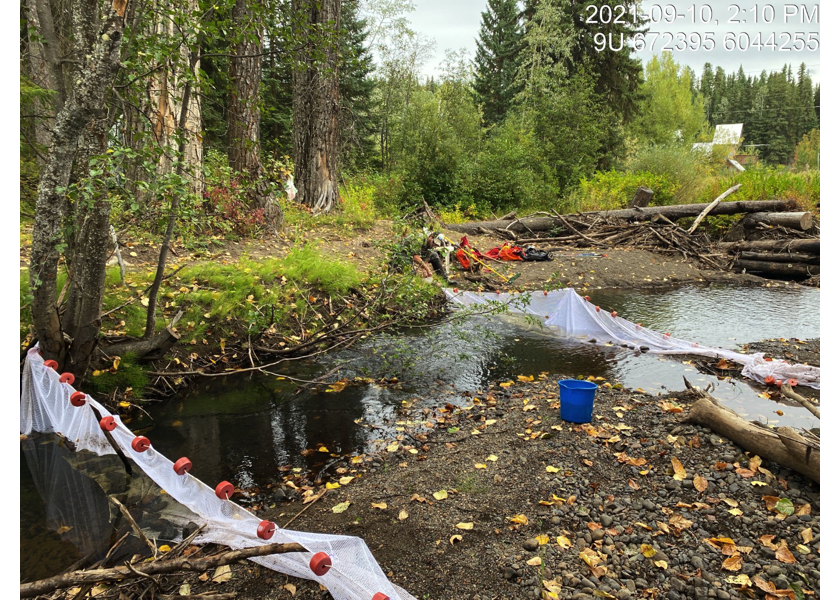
242,428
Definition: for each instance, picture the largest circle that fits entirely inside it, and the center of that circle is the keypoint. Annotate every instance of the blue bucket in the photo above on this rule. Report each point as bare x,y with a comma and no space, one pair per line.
577,399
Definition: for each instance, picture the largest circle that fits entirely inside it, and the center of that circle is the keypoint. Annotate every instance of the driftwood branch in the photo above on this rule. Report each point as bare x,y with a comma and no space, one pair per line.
784,446
788,392
160,567
134,525
711,206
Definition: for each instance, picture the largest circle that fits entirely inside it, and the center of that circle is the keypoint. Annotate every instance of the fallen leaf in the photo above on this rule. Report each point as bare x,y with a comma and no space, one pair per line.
184,590
648,550
379,505
633,484
480,466
465,526
291,588
784,506
700,483
492,458
661,564
733,563
455,538
333,486
784,554
564,542
550,469
345,480
765,586
403,515
534,562
341,507
735,511
519,519
543,539
222,574
441,495
525,378
807,535
739,580
679,470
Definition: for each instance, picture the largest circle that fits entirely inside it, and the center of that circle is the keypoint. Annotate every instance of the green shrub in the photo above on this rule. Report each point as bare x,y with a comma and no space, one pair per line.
687,170
609,190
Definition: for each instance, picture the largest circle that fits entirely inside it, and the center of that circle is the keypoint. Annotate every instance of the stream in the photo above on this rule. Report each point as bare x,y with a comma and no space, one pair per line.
243,428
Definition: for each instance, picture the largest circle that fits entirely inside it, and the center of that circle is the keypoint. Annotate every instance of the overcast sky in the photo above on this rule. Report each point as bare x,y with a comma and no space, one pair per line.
454,24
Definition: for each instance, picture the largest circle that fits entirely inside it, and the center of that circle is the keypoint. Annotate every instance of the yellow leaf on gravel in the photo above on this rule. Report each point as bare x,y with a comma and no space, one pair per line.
542,540
700,483
333,486
489,421
480,466
534,562
525,378
648,550
465,526
807,535
783,554
661,564
345,480
455,538
403,515
291,588
323,449
505,384
564,542
679,470
733,563
393,447
735,511
550,469
492,458
739,580
731,502
379,505
441,495
519,519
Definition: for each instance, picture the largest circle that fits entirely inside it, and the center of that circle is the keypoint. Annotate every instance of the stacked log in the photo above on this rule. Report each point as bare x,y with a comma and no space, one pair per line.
781,258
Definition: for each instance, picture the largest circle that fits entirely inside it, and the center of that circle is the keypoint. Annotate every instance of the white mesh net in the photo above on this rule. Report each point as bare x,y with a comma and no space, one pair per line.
574,317
355,575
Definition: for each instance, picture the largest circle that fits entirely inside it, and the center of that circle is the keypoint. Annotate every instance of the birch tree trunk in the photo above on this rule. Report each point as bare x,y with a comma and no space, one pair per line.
78,126
316,105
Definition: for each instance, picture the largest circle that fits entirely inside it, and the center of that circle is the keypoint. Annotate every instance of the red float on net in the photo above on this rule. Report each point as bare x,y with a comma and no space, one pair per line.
792,382
140,444
380,596
77,399
320,564
224,490
51,364
597,309
107,424
613,314
182,465
265,530
586,298
455,290
769,380
67,378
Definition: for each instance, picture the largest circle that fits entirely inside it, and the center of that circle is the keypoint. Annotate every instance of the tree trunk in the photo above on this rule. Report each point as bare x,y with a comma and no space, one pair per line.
801,221
45,68
783,446
809,246
244,109
316,105
48,240
678,211
641,198
776,268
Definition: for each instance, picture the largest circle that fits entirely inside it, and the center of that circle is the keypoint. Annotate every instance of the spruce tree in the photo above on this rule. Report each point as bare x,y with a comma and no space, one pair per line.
497,58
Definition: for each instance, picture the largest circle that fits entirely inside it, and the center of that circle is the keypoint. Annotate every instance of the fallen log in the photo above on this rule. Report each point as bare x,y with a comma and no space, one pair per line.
812,246
784,446
785,257
801,221
776,268
44,586
674,212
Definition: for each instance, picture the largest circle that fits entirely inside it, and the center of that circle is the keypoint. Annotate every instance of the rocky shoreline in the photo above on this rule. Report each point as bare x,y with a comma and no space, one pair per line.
635,504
